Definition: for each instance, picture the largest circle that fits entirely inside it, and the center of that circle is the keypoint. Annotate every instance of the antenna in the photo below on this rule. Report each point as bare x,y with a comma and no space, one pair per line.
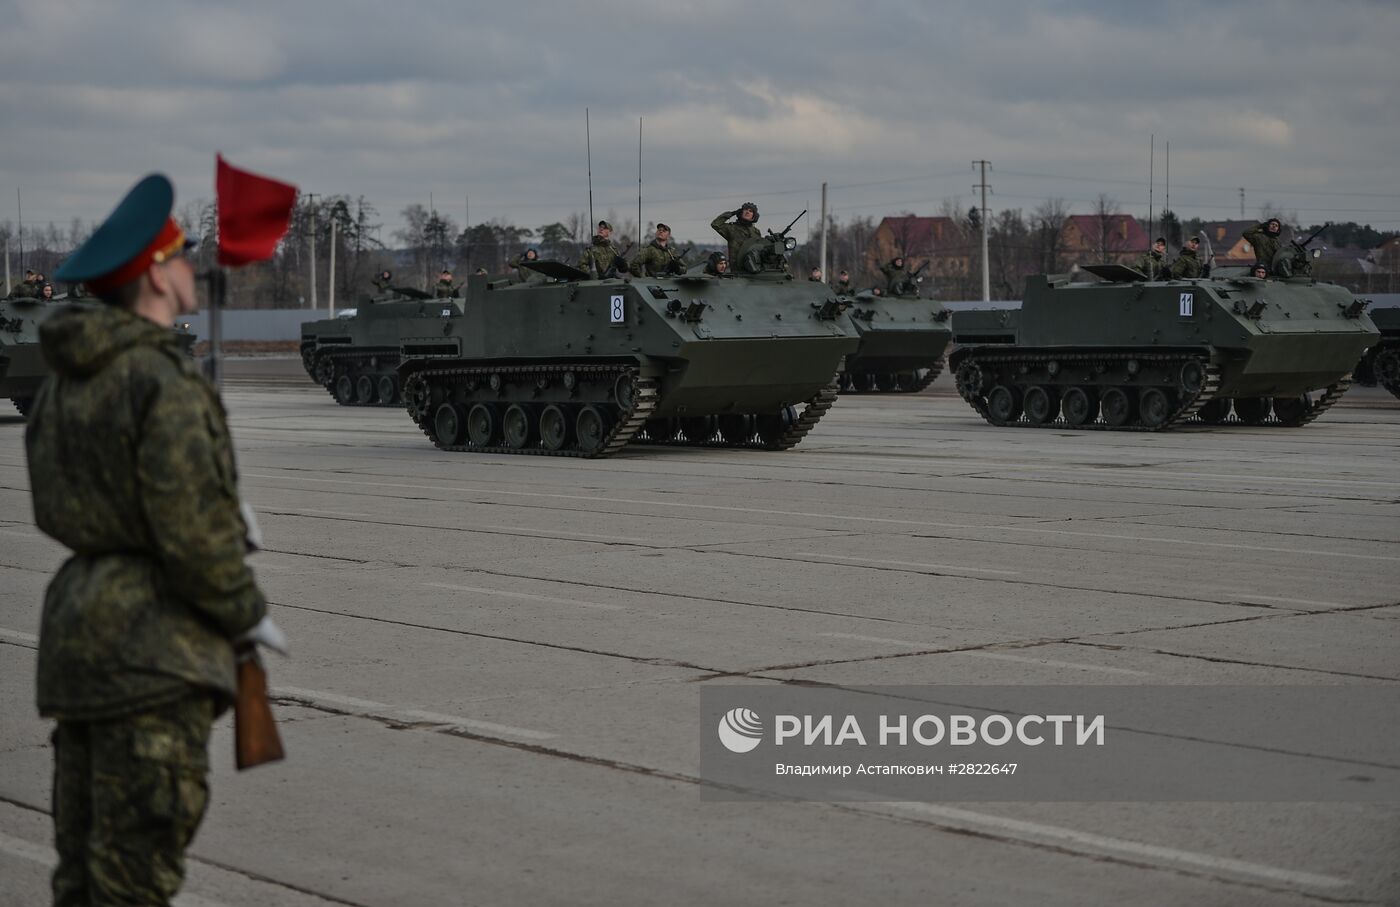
588,144
1151,159
1167,205
641,229
19,203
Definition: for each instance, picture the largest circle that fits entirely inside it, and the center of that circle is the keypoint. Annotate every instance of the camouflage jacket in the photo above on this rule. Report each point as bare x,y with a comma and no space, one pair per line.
736,234
132,469
898,282
1186,265
599,257
24,290
445,289
1265,246
845,287
656,260
1153,264
381,284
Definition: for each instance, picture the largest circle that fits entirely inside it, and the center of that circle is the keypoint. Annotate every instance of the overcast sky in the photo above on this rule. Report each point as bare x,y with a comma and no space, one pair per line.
887,101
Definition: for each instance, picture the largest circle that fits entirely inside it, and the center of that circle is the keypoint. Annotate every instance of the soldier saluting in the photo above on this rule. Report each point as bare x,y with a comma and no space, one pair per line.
445,288
1265,238
132,469
741,231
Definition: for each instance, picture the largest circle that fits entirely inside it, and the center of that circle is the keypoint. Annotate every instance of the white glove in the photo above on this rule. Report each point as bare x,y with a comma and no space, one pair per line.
267,633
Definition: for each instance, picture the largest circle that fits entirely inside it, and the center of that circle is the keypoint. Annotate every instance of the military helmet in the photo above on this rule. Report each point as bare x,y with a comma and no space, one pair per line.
752,207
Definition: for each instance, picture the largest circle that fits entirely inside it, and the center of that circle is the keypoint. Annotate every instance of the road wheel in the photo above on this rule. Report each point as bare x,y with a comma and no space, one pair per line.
1042,405
344,390
1154,407
483,428
388,390
364,390
554,428
517,427
1117,406
1004,403
1292,410
448,424
1081,406
591,427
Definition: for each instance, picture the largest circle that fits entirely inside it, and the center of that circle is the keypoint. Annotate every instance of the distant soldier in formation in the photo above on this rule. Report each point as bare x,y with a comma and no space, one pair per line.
741,231
718,265
600,259
843,282
1265,238
445,288
383,282
1154,262
27,288
659,258
1187,264
815,275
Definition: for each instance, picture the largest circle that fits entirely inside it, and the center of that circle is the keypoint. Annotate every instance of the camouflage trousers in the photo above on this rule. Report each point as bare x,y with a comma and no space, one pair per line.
128,795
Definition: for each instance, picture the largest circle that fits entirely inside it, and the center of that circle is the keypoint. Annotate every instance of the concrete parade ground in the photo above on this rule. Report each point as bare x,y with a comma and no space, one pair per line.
493,694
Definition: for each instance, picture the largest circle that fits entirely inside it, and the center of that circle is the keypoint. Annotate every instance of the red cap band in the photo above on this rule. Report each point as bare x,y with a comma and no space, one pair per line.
168,241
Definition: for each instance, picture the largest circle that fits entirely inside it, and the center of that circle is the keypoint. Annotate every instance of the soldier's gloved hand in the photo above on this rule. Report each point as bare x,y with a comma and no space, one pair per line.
264,633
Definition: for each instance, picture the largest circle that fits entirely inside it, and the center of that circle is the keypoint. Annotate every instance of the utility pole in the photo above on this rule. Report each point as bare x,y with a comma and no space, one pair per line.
311,203
986,265
8,288
826,275
330,290
1241,203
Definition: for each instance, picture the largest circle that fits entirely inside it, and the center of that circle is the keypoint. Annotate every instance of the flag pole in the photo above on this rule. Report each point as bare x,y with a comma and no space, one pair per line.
217,279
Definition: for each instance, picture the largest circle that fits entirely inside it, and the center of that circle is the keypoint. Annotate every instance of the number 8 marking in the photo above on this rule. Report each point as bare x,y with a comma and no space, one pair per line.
616,311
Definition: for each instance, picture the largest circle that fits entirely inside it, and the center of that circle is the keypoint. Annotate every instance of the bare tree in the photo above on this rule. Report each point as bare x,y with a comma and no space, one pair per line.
1047,235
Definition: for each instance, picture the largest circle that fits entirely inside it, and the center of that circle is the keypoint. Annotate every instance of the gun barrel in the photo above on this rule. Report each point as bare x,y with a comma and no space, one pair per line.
793,224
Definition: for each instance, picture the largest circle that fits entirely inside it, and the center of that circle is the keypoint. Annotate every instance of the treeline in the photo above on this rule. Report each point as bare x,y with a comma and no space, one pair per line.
348,231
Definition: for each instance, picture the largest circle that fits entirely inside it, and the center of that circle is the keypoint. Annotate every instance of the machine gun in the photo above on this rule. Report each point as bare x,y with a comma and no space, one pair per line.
770,252
619,264
1295,262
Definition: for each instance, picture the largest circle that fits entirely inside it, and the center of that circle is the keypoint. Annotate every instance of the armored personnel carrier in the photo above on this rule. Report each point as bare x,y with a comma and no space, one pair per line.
581,367
902,342
1127,353
1381,364
22,364
355,356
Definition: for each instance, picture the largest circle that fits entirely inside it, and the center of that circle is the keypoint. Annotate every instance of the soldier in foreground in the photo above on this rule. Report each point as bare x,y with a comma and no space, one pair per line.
1265,238
27,288
741,231
1154,262
843,283
132,469
718,265
658,258
1187,264
600,259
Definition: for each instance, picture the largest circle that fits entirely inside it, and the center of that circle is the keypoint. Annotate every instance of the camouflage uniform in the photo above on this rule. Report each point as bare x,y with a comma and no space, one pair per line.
845,287
1265,246
382,284
598,258
657,260
25,289
445,288
1187,265
1153,264
897,280
736,234
132,469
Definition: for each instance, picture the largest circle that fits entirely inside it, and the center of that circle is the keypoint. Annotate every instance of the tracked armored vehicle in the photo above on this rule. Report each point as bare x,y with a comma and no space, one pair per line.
355,356
582,367
22,364
1381,364
1127,353
902,342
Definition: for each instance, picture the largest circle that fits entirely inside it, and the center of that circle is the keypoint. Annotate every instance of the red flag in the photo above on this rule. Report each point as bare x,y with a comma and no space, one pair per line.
253,213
